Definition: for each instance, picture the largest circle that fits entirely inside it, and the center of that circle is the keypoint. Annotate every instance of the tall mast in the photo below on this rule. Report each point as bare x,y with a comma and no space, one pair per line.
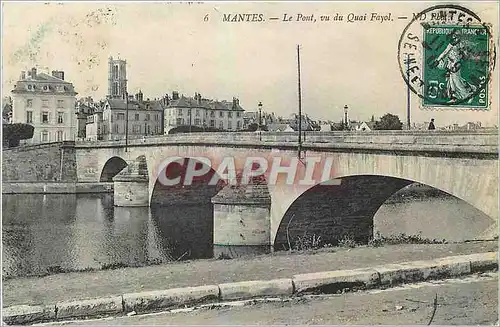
300,102
408,93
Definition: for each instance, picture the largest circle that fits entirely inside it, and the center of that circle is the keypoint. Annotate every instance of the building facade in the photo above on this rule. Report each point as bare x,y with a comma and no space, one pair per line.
197,111
145,118
48,103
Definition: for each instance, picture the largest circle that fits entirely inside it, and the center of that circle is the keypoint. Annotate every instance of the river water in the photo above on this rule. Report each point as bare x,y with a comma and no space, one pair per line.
54,233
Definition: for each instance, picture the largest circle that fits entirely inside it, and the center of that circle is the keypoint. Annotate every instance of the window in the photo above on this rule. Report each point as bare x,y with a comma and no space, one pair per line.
148,117
137,129
229,125
157,117
221,114
45,136
179,112
221,125
115,71
120,116
148,129
30,87
212,123
238,124
230,114
29,103
115,88
60,136
189,112
45,117
115,128
60,117
136,116
198,112
45,103
238,114
197,121
212,113
179,121
29,117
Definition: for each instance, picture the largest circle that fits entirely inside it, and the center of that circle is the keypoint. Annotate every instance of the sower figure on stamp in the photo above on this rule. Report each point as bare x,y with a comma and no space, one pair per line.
431,125
451,59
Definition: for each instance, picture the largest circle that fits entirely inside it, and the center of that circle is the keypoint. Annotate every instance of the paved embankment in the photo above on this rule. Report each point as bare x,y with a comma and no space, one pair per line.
338,281
81,285
471,300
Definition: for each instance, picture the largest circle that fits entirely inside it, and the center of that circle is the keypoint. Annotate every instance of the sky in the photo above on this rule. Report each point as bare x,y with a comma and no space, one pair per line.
187,47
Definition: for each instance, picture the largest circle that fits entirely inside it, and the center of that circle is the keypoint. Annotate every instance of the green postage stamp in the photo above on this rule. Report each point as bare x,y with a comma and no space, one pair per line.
446,56
456,66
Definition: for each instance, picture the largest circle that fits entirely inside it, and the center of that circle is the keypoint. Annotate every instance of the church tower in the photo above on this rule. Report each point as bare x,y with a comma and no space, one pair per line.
117,78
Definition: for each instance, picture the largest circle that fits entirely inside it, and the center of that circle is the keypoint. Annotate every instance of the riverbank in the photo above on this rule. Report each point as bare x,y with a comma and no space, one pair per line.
55,188
81,285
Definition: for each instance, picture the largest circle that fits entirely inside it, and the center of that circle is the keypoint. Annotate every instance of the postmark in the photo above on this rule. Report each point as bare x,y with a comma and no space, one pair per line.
446,56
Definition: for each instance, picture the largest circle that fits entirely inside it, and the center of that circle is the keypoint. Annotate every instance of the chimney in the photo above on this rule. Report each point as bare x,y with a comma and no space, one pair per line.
58,74
23,75
33,72
234,103
199,99
175,95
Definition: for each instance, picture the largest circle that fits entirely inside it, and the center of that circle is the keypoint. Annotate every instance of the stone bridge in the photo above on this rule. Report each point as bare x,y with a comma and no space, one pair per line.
364,170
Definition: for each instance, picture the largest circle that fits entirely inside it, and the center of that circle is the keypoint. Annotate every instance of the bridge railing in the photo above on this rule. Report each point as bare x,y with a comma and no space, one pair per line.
485,137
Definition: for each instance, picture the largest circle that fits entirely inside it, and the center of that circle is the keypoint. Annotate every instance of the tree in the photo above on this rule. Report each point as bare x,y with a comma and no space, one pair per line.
253,127
389,122
13,133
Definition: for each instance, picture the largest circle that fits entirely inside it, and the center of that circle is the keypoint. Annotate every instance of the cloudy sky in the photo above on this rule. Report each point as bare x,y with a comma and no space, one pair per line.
171,46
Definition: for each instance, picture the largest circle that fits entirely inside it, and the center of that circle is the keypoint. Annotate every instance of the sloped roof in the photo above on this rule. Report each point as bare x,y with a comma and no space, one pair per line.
278,127
189,102
121,104
37,84
43,77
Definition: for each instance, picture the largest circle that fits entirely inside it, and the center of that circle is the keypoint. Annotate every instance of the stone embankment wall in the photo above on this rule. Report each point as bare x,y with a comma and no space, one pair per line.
51,162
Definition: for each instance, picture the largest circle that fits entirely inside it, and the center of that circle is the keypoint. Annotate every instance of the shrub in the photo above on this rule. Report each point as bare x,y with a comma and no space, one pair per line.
307,242
380,240
347,241
193,129
13,133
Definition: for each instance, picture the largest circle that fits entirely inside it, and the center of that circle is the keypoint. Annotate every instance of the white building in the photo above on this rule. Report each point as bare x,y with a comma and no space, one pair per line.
48,103
145,118
196,111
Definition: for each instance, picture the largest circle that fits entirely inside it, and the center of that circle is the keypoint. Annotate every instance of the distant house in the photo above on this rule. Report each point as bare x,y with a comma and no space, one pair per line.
279,128
471,126
145,117
325,127
201,112
365,126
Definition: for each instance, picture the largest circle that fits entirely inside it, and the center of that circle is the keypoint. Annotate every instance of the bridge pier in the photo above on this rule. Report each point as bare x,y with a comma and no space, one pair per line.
242,220
131,185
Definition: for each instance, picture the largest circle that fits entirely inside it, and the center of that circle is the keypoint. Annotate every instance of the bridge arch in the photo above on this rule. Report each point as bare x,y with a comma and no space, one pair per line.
111,168
184,213
345,207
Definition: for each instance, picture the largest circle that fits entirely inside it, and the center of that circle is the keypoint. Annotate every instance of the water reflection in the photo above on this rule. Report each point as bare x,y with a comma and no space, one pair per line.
50,233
